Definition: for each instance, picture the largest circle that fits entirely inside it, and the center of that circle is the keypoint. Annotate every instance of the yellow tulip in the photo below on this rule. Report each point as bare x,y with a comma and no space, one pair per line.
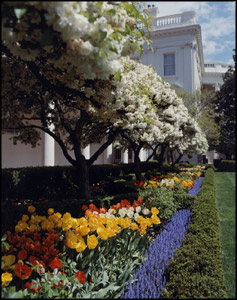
83,230
6,278
92,241
155,219
31,209
47,225
50,211
155,211
140,219
21,226
102,233
25,218
93,223
142,231
149,222
81,246
70,240
134,226
110,232
8,262
82,221
34,227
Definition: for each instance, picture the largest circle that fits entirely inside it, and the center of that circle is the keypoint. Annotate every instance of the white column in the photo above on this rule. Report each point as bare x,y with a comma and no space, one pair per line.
125,156
86,152
108,155
49,150
142,155
49,143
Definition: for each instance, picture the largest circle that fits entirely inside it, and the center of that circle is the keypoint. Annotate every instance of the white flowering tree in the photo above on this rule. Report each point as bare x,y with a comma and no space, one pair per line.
193,140
152,114
60,66
183,134
136,95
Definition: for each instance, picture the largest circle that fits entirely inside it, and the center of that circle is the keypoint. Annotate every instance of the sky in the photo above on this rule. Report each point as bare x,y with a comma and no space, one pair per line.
217,20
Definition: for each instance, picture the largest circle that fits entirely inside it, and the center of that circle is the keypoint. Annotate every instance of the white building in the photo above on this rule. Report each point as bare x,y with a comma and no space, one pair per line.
177,57
213,75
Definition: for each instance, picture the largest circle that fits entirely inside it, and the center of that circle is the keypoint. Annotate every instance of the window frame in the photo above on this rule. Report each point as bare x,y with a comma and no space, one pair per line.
165,65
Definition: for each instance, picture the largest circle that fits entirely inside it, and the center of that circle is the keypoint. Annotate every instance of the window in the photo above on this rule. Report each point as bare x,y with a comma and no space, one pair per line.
169,64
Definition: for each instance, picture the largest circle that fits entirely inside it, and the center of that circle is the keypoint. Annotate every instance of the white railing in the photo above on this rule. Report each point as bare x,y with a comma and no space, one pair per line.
162,21
187,18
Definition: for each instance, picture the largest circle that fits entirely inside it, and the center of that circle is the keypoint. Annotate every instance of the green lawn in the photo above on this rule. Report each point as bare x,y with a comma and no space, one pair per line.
225,193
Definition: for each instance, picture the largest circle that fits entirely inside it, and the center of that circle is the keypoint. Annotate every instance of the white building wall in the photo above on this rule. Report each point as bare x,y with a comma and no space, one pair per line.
20,155
60,159
94,148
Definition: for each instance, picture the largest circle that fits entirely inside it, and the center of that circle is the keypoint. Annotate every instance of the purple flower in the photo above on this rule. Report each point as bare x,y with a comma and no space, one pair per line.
149,279
196,187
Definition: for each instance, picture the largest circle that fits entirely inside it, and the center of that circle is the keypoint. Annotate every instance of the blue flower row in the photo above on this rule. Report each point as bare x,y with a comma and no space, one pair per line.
149,280
196,187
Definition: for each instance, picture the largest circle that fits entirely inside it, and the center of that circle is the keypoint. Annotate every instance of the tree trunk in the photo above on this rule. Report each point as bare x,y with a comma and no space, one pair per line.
138,172
178,158
172,158
161,157
83,178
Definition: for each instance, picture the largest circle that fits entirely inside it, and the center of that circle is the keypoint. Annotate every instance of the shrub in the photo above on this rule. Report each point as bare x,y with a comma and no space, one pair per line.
196,271
183,200
228,166
162,198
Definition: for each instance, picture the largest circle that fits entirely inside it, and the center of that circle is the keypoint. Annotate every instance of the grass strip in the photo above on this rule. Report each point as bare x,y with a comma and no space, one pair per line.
225,194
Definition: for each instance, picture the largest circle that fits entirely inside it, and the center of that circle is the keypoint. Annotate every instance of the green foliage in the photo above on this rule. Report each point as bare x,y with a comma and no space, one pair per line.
225,110
162,198
201,104
196,270
54,284
184,200
110,264
62,181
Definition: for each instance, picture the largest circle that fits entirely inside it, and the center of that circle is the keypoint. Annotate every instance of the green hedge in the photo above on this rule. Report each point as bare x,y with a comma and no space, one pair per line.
228,166
60,181
196,270
183,200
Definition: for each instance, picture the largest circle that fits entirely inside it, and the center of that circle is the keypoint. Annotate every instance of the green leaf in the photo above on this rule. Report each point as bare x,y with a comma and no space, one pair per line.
102,52
99,3
141,50
118,76
19,12
85,14
105,278
102,292
103,35
111,12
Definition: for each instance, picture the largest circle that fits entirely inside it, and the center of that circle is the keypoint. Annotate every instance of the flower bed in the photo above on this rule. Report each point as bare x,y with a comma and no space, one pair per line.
149,279
196,187
47,255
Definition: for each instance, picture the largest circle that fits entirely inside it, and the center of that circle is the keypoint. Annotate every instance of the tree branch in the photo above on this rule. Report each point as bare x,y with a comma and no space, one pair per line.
54,136
102,148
